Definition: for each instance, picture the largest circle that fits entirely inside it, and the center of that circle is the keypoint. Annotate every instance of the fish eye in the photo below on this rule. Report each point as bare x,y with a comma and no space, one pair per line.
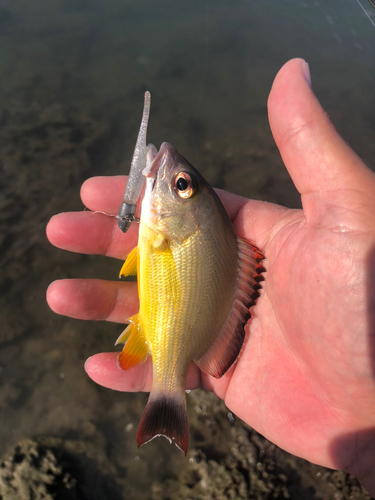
184,185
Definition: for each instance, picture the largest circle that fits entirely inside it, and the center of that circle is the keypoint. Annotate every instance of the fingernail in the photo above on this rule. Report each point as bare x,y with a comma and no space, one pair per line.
306,73
87,360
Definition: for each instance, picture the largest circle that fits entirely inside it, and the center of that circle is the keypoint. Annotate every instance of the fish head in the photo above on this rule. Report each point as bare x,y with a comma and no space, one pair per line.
178,202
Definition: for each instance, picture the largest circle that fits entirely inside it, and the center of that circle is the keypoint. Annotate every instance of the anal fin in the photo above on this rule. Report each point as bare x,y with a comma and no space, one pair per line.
228,344
136,349
165,415
129,267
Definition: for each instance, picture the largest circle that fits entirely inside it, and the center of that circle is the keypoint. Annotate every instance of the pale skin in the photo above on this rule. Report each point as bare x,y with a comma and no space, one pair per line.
306,376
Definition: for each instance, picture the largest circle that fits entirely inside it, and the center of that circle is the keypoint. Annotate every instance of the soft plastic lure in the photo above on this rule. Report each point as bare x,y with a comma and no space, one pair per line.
126,213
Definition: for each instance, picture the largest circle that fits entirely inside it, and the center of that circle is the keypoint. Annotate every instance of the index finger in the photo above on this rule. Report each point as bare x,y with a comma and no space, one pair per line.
251,219
95,233
91,233
105,194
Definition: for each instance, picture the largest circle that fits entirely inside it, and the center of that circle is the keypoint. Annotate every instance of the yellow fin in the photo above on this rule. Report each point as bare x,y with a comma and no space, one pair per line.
128,330
136,349
129,267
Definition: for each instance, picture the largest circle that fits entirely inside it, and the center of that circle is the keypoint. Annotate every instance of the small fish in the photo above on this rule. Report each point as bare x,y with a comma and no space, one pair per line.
196,283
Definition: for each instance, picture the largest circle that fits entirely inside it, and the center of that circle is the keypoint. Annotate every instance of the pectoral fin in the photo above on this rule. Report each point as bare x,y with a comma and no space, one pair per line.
129,267
224,352
136,349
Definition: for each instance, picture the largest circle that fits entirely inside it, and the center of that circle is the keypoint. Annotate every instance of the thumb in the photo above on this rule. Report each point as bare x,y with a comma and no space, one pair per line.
317,158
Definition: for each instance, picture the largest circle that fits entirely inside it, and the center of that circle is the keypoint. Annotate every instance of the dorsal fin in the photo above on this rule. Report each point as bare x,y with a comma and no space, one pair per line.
227,346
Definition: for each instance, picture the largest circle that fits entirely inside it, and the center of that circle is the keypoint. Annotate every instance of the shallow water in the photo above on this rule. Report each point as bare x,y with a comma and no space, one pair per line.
72,78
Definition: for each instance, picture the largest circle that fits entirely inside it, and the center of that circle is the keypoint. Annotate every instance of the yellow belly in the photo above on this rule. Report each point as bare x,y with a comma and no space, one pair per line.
183,301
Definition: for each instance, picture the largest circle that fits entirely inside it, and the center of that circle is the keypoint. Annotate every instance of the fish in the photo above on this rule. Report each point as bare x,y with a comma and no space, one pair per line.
197,281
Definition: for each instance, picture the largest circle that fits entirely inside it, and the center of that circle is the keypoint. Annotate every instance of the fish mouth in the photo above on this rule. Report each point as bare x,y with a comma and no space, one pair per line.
156,168
156,159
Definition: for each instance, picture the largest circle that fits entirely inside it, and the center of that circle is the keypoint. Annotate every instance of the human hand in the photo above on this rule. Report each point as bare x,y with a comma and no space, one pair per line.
305,378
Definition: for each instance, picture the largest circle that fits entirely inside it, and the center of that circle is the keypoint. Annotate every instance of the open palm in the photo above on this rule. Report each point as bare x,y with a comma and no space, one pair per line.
305,378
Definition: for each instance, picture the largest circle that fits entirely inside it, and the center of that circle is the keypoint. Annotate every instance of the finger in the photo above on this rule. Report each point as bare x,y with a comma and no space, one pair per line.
251,219
317,158
90,233
104,193
93,299
217,385
94,233
104,370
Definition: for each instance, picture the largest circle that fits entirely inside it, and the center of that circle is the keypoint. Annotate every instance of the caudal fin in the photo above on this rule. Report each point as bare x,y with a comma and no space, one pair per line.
165,415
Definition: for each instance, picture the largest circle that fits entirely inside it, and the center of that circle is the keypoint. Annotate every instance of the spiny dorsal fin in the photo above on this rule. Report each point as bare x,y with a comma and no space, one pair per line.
129,267
225,350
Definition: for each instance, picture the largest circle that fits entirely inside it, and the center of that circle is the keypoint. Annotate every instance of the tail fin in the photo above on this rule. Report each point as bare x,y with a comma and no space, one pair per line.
165,415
